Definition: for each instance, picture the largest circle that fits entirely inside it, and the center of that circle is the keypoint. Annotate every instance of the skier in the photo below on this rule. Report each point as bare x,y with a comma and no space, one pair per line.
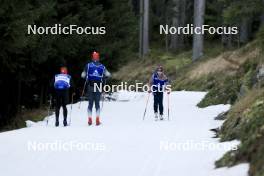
95,74
62,83
157,84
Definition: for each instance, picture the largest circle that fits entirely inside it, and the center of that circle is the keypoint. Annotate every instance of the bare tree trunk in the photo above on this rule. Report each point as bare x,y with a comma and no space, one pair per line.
244,31
262,16
262,20
144,28
46,94
178,20
141,28
227,40
167,36
19,89
166,21
183,21
41,97
198,39
175,38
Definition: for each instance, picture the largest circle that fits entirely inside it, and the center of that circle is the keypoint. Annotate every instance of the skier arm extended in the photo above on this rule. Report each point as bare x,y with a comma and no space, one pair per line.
150,83
84,72
107,74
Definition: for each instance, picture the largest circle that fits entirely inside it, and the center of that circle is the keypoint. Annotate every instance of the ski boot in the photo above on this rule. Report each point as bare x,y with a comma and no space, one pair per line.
57,123
65,122
161,117
90,121
98,121
156,116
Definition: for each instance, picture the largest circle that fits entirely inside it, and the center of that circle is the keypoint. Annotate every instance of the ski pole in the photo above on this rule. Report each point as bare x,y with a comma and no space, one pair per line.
71,108
103,96
50,103
82,92
146,107
102,105
168,106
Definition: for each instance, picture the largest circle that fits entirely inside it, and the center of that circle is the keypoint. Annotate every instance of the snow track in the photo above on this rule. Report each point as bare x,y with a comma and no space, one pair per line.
128,146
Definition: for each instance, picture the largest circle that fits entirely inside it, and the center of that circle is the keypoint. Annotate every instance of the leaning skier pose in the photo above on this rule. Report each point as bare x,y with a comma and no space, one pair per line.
157,84
62,83
95,73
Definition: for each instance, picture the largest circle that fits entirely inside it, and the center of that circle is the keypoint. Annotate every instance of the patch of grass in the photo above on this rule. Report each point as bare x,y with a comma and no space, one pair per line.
228,88
228,159
260,37
237,115
245,122
204,83
177,67
34,115
141,69
224,92
212,50
176,62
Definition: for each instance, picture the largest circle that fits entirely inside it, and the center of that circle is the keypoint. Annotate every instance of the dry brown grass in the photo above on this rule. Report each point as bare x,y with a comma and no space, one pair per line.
35,114
243,105
135,70
228,62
